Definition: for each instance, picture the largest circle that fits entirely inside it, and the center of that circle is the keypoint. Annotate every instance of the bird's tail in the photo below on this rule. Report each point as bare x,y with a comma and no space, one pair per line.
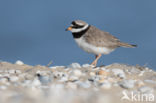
126,45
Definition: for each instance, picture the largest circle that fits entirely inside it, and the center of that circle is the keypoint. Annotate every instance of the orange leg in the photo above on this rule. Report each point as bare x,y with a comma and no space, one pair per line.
96,59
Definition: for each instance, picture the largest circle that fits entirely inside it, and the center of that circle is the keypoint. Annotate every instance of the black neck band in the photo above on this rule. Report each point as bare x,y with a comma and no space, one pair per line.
79,34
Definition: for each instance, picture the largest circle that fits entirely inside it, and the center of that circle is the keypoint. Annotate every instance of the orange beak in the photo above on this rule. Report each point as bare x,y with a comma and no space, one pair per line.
69,29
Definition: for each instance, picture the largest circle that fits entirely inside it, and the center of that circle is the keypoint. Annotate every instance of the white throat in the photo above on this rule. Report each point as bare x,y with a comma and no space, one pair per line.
79,30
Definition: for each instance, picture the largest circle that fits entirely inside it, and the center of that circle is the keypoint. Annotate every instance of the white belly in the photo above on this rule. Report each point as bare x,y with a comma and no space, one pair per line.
91,48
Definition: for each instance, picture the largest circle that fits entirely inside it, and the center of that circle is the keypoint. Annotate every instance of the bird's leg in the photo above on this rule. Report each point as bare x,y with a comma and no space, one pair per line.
96,59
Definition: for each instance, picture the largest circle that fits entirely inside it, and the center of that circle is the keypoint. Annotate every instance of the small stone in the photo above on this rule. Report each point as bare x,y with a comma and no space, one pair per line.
4,80
73,78
13,78
102,72
55,67
19,62
71,85
141,73
44,79
150,81
11,71
127,84
86,65
18,71
74,66
36,82
92,73
77,72
140,83
84,84
3,87
145,89
105,84
118,72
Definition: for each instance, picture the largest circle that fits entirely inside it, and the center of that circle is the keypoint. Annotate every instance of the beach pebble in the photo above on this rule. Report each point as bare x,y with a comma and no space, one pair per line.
145,89
85,84
86,65
2,87
150,81
13,78
4,80
105,84
102,72
120,73
44,79
74,66
36,82
12,71
19,62
73,78
18,71
92,73
127,84
77,72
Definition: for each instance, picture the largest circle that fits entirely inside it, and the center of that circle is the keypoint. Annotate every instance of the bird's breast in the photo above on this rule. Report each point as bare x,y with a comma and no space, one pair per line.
92,48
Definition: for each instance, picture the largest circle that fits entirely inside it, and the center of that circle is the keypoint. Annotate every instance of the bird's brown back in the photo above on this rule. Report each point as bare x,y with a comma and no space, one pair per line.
100,38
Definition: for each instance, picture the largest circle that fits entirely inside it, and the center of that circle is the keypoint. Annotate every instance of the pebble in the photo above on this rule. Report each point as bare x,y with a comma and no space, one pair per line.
36,82
102,72
44,79
127,84
120,73
12,71
141,73
105,85
19,62
77,72
150,81
85,84
18,71
92,73
74,66
86,65
13,78
4,80
3,87
146,89
73,78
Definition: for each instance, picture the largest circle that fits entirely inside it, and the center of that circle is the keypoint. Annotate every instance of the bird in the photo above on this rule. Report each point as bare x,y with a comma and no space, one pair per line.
95,41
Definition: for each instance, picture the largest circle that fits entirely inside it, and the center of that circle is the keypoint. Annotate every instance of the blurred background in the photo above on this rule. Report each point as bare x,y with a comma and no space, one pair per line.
34,30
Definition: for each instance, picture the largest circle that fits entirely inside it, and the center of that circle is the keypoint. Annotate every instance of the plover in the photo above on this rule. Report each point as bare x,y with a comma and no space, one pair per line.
94,40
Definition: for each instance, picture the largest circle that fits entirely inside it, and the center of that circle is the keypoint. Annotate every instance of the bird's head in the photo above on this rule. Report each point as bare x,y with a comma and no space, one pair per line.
77,26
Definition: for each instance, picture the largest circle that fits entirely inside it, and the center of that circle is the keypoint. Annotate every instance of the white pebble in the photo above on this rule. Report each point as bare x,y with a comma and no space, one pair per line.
150,81
14,78
141,73
74,66
77,72
3,87
18,71
86,65
118,72
11,71
145,89
106,84
19,62
36,82
127,84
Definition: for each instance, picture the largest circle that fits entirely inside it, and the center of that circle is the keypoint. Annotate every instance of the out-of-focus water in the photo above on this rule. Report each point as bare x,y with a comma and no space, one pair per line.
34,30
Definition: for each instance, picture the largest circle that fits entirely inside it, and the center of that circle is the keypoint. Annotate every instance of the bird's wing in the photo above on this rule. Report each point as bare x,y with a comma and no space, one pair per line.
100,38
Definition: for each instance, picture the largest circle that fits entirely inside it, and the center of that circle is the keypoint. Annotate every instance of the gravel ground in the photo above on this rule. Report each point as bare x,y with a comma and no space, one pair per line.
115,83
